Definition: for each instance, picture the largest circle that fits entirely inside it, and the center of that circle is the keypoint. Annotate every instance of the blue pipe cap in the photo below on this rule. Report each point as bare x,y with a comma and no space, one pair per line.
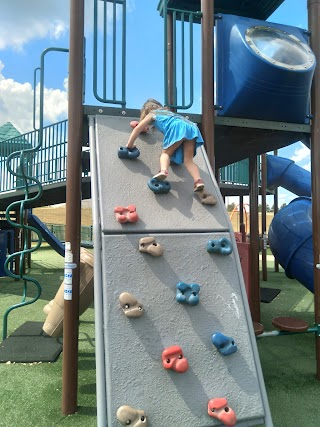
128,153
225,345
187,294
159,187
221,246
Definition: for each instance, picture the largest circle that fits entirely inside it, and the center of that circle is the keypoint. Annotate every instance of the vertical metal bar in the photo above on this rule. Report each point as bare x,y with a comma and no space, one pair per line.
41,100
241,210
254,291
207,8
95,46
34,97
124,51
53,151
169,60
105,35
313,20
98,300
183,60
47,141
191,60
165,59
73,206
174,58
64,153
264,215
114,49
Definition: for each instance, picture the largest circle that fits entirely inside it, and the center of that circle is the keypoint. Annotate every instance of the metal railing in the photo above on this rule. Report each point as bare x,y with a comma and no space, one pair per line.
48,163
106,81
59,231
182,70
236,173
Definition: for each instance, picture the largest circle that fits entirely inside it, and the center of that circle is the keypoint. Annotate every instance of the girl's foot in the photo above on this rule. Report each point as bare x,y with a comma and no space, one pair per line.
161,175
198,185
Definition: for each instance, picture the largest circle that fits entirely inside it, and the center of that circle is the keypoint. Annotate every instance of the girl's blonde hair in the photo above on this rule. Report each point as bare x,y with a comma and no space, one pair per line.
150,105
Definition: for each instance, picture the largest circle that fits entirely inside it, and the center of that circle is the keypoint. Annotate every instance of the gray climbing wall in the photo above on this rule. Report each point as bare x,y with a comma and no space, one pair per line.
133,347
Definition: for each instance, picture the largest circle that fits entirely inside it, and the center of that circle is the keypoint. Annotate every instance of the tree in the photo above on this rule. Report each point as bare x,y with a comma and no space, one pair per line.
231,207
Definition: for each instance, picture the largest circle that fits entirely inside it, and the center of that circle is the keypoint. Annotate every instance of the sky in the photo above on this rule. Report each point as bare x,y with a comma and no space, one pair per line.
28,28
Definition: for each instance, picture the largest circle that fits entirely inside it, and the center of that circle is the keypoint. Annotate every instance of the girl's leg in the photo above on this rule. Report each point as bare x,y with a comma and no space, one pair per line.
165,160
192,168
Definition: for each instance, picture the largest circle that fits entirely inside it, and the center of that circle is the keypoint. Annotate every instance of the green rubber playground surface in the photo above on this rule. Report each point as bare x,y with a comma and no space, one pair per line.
30,394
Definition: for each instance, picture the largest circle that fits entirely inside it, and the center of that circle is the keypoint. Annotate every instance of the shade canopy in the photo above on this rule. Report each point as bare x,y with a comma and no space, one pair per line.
259,9
11,140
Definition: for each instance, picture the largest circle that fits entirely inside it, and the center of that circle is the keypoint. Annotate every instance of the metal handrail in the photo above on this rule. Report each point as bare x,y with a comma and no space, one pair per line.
112,81
184,16
49,163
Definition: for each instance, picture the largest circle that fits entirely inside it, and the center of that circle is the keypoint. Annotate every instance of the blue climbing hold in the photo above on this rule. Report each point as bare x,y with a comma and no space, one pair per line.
159,187
221,246
187,294
128,153
225,345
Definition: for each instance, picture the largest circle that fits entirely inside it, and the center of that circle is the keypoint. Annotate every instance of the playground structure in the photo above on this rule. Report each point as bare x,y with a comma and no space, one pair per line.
199,248
293,223
243,213
224,135
53,324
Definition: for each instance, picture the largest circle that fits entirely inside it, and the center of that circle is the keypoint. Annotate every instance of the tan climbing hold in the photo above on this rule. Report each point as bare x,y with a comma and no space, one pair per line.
127,415
150,246
205,197
130,305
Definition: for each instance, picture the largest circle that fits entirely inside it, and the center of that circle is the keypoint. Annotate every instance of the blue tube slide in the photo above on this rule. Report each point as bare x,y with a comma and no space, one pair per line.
49,237
290,232
290,240
282,172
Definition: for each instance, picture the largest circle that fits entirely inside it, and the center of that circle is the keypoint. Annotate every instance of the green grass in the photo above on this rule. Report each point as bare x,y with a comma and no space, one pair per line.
30,394
289,362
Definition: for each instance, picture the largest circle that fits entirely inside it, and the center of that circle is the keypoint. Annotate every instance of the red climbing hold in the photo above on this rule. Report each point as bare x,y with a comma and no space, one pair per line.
126,214
218,408
172,358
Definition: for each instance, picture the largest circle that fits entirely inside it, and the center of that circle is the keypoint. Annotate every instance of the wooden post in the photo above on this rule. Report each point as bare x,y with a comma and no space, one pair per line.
275,211
73,206
314,19
264,214
207,9
254,241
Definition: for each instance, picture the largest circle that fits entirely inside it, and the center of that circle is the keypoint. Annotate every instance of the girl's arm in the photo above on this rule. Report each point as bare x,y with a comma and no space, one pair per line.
139,128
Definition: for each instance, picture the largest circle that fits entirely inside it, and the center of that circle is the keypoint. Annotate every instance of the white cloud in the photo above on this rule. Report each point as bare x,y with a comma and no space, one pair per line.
16,103
23,21
301,153
307,166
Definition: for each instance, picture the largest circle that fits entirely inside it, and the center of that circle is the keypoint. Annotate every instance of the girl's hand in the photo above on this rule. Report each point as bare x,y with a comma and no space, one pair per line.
135,123
131,147
139,128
